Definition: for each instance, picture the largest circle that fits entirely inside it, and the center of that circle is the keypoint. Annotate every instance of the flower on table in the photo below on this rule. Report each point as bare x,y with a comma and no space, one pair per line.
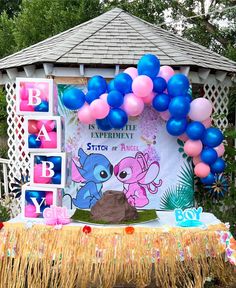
87,229
129,230
1,225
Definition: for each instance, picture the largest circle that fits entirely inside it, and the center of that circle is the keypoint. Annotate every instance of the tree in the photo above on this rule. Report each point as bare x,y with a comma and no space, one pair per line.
11,7
6,35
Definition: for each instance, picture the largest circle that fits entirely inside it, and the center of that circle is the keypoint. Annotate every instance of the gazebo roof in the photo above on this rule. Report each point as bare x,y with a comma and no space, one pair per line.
117,38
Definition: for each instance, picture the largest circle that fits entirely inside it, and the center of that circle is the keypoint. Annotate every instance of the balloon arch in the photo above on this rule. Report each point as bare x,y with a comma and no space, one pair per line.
170,94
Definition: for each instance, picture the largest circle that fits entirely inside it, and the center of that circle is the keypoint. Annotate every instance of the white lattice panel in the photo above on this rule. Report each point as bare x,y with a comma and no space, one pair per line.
17,153
217,93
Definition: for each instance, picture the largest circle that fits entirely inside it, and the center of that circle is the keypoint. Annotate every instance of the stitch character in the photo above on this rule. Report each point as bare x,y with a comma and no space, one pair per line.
95,169
137,175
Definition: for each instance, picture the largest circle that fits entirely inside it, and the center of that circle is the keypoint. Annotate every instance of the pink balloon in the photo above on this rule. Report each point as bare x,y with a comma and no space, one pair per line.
25,107
183,137
202,170
220,150
52,143
32,127
104,97
85,114
193,148
49,198
142,86
132,72
49,124
207,123
99,108
196,160
44,90
38,178
148,99
133,105
30,211
23,93
200,109
165,115
166,72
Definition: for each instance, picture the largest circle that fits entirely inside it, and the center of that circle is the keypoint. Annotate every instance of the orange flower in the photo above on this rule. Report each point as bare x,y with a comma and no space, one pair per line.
129,230
87,229
233,243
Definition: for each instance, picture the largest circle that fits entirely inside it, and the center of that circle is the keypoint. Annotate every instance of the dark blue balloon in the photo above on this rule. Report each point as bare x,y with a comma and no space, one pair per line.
104,124
39,159
115,99
123,83
178,85
91,96
117,118
111,86
176,127
208,155
33,142
56,179
189,97
195,130
210,179
43,207
159,85
97,83
73,98
57,162
179,107
149,65
212,137
42,107
218,166
38,195
161,102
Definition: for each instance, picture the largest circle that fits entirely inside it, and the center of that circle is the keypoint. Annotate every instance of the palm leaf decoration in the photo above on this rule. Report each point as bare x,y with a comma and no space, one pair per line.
177,197
186,177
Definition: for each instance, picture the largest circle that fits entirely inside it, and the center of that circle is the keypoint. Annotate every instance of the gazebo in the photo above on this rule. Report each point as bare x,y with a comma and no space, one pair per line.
106,45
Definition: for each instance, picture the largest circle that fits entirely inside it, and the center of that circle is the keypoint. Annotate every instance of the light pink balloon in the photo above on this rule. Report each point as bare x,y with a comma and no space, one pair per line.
196,160
133,105
183,137
23,93
38,178
142,86
220,150
30,211
49,198
166,72
193,148
132,72
104,96
148,99
85,114
207,123
49,144
25,107
202,170
200,109
165,115
48,124
44,90
100,109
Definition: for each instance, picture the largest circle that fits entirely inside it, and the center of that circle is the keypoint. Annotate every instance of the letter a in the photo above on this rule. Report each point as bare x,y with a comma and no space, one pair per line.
43,133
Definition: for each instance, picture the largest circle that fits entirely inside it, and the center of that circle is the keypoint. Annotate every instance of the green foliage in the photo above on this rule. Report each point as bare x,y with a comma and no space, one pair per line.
11,7
3,114
4,213
6,35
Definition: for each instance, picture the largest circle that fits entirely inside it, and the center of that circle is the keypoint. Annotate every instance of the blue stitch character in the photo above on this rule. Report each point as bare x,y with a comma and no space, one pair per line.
95,169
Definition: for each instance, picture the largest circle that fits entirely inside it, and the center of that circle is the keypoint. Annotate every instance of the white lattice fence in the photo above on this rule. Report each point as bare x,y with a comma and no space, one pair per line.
217,93
18,156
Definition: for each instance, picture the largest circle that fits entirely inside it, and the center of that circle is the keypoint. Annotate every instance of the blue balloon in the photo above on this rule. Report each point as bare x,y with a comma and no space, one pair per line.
161,102
115,99
179,107
208,155
73,98
176,127
39,159
57,162
149,65
42,107
43,207
178,85
104,124
189,97
210,179
218,166
117,118
123,83
38,195
195,130
91,96
33,142
159,85
56,179
97,83
111,86
212,137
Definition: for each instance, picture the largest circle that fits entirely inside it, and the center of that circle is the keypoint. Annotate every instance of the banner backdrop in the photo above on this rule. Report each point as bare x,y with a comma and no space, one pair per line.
142,160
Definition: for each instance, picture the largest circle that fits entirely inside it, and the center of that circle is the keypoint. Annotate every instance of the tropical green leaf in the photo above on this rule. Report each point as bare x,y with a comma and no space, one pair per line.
181,143
181,150
177,197
186,177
